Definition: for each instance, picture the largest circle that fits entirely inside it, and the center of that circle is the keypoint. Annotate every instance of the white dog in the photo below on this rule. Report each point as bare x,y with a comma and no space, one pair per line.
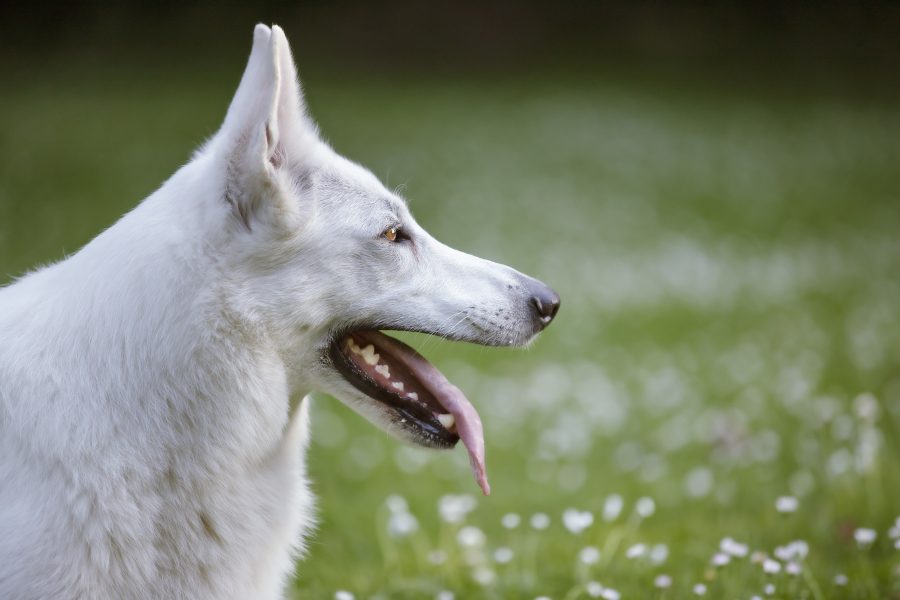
152,412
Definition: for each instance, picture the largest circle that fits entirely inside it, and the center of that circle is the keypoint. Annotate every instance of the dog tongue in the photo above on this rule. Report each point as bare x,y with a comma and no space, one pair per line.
468,423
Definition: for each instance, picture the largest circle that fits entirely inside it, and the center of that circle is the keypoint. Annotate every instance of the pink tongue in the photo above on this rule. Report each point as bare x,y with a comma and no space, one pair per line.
468,423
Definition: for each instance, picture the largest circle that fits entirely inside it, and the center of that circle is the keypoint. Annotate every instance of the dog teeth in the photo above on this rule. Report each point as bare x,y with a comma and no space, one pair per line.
397,385
351,345
384,370
412,396
368,354
448,421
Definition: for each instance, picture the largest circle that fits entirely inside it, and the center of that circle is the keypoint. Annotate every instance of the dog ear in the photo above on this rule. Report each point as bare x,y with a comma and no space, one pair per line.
299,133
266,126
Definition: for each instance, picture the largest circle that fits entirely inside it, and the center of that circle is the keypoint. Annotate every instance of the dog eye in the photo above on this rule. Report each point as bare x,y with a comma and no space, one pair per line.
392,234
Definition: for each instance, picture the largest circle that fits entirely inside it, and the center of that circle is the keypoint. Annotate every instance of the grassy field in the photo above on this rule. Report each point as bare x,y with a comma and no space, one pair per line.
729,262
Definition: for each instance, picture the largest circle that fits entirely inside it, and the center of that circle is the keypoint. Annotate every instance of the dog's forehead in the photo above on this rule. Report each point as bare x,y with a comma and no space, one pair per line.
368,196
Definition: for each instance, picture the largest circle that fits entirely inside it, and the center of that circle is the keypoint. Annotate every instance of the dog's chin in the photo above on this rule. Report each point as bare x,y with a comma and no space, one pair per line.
395,423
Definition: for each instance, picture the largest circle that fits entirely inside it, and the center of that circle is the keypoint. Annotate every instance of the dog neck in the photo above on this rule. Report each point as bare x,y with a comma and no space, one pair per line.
198,381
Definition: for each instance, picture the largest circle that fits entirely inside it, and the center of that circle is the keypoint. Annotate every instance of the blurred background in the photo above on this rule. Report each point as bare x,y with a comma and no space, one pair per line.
714,190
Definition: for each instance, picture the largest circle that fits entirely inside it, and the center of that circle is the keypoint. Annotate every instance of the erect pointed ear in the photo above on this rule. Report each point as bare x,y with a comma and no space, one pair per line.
298,131
266,125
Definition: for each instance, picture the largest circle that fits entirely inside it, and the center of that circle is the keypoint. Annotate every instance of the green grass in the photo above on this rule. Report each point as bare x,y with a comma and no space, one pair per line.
729,263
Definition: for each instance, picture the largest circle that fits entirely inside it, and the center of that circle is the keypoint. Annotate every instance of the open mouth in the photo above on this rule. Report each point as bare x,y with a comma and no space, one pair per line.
420,397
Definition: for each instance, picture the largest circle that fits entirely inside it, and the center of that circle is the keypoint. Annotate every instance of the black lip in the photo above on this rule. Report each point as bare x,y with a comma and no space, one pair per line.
418,418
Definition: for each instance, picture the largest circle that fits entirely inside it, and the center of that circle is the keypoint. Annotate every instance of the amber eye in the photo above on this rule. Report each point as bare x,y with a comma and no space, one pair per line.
391,233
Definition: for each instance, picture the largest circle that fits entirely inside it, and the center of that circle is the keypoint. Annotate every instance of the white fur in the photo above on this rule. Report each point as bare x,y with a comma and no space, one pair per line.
153,411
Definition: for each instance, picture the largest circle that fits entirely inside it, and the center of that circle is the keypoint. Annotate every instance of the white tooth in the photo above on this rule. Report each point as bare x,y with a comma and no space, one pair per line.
368,354
384,370
398,385
412,396
352,345
448,421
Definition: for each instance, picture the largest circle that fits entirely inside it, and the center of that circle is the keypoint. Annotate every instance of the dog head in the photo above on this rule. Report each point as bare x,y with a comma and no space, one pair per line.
323,257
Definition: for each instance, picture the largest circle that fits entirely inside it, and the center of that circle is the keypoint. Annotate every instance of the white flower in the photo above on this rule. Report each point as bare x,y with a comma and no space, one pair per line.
612,508
796,550
611,594
699,482
864,537
402,524
396,503
894,532
700,589
720,559
636,551
786,504
577,521
510,520
866,407
484,576
470,537
663,581
771,567
793,568
540,521
593,589
659,553
800,549
503,555
840,579
589,555
733,548
453,508
444,595
769,589
645,507
343,595
437,557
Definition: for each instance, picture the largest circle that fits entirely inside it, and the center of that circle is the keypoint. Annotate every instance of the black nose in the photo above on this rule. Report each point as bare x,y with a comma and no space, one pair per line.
545,302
